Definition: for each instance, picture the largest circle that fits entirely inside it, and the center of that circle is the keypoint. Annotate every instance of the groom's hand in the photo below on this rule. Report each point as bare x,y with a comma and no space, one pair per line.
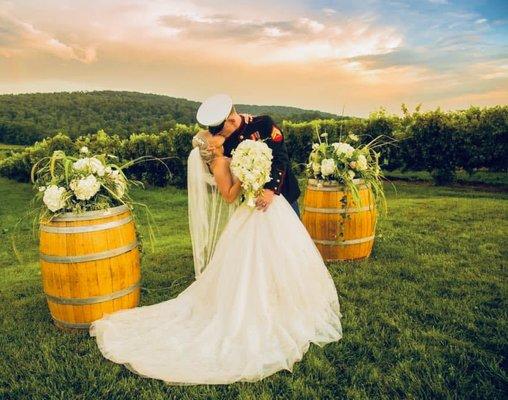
247,117
264,201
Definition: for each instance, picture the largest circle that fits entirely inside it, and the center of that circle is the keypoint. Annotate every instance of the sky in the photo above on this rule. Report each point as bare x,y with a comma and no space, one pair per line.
350,57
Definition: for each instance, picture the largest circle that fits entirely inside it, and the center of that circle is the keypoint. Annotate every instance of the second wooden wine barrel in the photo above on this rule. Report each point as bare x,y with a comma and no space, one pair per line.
340,228
90,265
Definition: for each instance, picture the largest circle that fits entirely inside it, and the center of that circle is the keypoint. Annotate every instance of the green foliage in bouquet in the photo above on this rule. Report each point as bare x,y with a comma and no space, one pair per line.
347,163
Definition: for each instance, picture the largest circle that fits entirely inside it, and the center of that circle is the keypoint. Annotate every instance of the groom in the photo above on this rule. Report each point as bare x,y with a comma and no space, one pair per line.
219,115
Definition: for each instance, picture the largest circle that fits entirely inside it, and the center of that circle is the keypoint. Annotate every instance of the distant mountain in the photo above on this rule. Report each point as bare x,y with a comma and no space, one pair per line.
25,118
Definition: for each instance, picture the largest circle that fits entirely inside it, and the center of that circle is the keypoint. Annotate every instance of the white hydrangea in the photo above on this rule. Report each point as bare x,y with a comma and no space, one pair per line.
361,164
85,188
327,166
251,164
89,164
343,148
54,197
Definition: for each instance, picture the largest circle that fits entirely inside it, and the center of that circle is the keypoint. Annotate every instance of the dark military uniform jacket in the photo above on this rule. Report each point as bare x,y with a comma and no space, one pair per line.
283,180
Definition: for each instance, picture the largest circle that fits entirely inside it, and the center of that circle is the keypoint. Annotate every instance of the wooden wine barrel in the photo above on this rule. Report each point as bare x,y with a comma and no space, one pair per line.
340,229
90,265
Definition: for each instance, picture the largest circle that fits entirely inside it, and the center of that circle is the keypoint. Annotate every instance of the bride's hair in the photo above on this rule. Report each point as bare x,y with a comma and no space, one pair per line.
200,141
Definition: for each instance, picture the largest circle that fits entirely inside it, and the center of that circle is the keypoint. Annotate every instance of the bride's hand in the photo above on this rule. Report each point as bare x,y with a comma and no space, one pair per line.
247,117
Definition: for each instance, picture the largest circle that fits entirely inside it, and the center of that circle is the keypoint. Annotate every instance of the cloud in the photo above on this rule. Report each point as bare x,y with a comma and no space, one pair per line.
17,36
286,40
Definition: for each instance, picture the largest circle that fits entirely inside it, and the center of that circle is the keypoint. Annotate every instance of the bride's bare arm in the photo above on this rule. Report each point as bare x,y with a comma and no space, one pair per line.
229,186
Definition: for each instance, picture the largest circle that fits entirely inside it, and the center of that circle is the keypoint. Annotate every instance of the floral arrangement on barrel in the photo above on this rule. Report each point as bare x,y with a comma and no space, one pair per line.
347,163
77,184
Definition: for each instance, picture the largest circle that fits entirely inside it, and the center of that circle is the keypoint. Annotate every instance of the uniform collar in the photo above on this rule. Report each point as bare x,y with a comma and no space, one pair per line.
239,129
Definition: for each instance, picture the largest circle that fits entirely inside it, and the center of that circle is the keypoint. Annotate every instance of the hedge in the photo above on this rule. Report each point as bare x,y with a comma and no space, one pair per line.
435,141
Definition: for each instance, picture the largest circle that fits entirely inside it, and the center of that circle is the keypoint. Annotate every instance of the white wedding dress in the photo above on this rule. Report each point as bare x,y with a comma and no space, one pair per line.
264,296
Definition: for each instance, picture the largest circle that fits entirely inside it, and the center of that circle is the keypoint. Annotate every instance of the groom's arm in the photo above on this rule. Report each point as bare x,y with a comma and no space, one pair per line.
280,160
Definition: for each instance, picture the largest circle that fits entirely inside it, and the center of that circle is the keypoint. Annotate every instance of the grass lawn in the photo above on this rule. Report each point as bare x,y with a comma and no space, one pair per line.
424,317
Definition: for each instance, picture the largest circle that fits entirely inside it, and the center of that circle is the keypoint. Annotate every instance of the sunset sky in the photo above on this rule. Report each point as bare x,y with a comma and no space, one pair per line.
322,55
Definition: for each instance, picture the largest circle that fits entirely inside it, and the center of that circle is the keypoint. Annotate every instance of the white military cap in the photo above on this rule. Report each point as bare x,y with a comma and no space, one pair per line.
214,110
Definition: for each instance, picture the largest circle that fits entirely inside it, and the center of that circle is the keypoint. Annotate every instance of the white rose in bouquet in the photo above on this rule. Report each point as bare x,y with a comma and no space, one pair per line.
97,166
251,164
91,164
328,166
343,148
54,197
351,173
361,164
85,188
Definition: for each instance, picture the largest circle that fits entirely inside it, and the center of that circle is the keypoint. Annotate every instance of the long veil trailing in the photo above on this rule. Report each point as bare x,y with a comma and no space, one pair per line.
208,211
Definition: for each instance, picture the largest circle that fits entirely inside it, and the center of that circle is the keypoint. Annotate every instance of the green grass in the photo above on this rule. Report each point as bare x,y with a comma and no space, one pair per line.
424,317
477,177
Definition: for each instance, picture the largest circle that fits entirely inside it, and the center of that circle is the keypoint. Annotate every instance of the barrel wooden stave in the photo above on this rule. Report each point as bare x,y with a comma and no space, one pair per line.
87,279
325,225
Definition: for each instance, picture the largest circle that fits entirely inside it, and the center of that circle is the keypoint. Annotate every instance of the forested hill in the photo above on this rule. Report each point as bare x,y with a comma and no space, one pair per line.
25,118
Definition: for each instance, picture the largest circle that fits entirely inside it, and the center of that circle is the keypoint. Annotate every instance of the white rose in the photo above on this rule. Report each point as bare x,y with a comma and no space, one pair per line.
343,148
96,166
85,188
361,163
327,166
81,164
92,164
351,174
84,150
54,197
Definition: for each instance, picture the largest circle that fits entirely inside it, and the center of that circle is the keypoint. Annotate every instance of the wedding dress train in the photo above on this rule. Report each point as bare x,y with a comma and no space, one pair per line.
262,299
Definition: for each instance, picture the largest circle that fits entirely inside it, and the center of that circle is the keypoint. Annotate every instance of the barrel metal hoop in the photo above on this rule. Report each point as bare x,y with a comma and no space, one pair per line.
344,242
90,215
73,325
92,300
91,256
327,210
332,188
86,228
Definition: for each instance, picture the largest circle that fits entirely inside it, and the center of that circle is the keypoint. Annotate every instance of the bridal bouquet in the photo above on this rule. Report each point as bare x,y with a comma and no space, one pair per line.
75,184
346,162
251,164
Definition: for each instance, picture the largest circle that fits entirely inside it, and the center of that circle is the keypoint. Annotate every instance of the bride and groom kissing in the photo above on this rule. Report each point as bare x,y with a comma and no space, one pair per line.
262,292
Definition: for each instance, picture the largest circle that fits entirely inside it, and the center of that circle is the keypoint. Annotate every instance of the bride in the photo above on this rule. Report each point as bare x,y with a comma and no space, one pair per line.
262,292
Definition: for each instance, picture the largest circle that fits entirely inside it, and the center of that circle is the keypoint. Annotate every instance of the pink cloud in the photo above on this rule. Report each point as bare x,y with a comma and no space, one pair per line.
17,37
